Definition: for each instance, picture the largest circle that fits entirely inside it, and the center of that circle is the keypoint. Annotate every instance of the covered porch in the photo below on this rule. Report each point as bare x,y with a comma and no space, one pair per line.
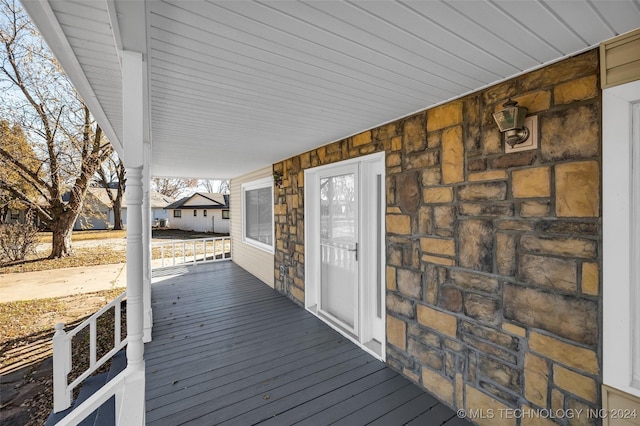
228,349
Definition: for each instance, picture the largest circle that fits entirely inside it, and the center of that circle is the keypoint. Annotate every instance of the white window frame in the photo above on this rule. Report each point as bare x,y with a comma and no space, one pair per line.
249,186
621,237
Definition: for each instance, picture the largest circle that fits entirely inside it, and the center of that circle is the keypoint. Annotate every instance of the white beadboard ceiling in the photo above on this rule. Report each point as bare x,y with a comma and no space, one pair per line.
237,85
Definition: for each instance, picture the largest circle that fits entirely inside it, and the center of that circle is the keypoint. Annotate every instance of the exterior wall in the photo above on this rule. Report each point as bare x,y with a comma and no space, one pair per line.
493,260
257,261
213,222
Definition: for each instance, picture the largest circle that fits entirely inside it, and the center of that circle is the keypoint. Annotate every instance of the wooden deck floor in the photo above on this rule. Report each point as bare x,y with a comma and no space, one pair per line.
229,350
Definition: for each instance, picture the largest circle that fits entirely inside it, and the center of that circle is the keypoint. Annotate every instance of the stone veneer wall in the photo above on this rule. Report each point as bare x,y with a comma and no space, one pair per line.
493,260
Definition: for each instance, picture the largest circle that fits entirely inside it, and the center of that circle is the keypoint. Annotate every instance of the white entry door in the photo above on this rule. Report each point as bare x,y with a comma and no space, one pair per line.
344,248
339,281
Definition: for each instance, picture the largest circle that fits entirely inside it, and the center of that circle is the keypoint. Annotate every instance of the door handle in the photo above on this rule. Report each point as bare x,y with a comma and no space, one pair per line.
355,250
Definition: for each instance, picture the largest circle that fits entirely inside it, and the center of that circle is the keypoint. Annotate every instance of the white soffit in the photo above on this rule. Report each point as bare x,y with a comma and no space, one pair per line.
237,85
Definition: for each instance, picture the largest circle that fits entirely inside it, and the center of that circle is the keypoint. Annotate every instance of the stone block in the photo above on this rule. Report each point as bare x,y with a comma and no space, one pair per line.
397,332
564,353
576,90
426,356
570,317
434,139
362,139
431,176
437,320
514,329
518,159
487,175
515,225
575,383
494,209
492,141
535,420
438,195
394,255
432,283
535,208
297,293
477,400
391,278
548,272
531,183
499,372
536,379
578,66
438,260
590,279
396,143
534,101
506,254
475,250
410,283
490,334
425,221
489,349
399,224
476,164
578,189
393,159
420,160
400,305
437,384
559,246
450,299
459,391
447,115
438,246
557,400
482,308
424,336
414,136
452,156
474,281
578,406
444,216
489,191
570,134
586,227
408,192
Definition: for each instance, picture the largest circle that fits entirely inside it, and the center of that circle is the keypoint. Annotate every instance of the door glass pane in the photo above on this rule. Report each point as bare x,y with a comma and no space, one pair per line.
338,232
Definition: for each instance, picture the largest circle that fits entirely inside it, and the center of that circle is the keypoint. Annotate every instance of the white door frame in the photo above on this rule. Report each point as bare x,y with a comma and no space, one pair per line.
621,236
371,249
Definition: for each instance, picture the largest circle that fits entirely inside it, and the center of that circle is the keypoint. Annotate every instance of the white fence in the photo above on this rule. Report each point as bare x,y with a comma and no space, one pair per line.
187,252
62,353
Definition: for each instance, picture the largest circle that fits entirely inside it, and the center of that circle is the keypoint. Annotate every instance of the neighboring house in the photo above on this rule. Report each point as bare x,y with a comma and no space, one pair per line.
495,278
97,212
201,212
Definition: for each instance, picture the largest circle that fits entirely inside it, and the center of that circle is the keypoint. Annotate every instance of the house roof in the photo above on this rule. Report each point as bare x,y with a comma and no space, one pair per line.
99,196
201,200
231,87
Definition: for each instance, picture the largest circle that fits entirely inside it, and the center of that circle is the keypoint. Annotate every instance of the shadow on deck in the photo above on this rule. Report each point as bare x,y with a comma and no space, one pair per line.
227,349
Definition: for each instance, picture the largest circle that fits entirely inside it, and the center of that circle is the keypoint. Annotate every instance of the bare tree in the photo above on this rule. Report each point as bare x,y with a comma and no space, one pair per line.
215,185
112,177
69,145
173,188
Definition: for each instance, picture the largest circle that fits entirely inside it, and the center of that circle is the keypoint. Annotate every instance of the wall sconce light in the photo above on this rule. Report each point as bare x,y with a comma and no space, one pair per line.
510,120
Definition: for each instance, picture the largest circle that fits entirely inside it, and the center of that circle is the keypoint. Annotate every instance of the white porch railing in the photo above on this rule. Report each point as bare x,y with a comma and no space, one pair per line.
184,252
62,353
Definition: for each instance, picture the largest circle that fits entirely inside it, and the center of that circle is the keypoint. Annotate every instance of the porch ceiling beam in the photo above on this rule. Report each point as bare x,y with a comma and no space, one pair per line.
43,16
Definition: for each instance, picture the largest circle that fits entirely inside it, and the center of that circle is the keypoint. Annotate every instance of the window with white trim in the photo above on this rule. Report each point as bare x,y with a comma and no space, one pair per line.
225,214
177,213
257,213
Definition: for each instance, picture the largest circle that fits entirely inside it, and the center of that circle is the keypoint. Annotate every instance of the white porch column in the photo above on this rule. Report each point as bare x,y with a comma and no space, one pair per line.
133,397
146,244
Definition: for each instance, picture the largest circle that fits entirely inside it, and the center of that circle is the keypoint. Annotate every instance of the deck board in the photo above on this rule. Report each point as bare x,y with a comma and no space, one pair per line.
228,349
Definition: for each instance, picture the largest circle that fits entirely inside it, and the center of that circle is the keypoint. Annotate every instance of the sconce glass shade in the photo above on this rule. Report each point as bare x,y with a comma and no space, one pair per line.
510,120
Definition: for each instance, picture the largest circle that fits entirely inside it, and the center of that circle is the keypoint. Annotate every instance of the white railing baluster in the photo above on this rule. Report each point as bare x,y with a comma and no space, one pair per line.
93,341
117,332
61,368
